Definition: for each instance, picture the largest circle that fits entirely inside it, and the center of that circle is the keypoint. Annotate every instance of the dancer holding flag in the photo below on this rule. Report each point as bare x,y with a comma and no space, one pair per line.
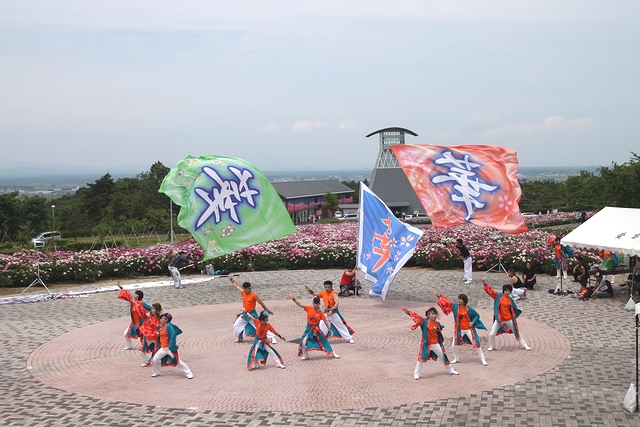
432,343
465,322
385,243
339,327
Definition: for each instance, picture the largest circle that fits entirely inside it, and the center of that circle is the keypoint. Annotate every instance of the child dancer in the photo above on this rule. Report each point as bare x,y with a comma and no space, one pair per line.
312,337
505,313
466,320
168,352
261,348
431,345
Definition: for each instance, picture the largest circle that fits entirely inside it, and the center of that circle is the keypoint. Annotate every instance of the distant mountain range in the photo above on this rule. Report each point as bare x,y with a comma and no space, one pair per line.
48,178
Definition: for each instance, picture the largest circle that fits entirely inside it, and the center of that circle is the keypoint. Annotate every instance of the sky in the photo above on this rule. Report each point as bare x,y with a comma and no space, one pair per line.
297,85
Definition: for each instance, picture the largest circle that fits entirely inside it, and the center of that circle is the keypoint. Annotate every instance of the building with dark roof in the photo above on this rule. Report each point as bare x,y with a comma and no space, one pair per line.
388,180
304,199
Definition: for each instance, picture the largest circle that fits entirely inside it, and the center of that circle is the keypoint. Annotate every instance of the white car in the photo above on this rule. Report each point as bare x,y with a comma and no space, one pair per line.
528,214
352,216
337,214
47,235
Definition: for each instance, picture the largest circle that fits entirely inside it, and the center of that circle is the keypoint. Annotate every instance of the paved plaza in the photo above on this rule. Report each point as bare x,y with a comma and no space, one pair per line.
64,362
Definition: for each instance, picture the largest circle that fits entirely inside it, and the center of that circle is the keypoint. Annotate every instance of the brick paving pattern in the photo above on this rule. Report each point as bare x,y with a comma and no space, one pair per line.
64,362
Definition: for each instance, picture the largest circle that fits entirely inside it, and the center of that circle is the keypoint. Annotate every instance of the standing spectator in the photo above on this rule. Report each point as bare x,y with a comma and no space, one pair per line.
529,275
467,260
560,256
432,343
173,268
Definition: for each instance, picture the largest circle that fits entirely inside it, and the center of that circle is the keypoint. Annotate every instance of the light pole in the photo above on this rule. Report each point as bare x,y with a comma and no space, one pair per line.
53,217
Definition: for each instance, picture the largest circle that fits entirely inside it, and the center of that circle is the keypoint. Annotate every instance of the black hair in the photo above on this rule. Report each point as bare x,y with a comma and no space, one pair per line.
316,300
507,288
263,316
328,283
246,285
140,294
459,241
430,310
512,270
464,298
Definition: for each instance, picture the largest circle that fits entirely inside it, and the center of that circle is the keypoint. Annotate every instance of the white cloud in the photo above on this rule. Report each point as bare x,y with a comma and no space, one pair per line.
306,125
489,119
551,123
346,125
269,128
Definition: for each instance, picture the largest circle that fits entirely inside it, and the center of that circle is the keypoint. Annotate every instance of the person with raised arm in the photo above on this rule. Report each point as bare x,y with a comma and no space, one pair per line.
313,339
261,348
339,326
243,324
432,343
505,313
465,322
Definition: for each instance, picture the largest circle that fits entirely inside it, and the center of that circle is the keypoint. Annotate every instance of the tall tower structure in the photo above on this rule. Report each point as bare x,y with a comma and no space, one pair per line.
388,180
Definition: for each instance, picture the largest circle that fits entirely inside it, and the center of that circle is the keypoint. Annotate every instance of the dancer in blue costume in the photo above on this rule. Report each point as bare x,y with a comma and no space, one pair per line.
313,338
432,343
261,348
465,322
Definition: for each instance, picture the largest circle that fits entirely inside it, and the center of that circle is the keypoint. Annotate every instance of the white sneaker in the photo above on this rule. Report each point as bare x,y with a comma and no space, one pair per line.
484,363
336,355
526,347
190,376
454,361
128,348
144,365
415,377
454,372
490,349
238,340
155,375
304,358
273,340
351,341
281,366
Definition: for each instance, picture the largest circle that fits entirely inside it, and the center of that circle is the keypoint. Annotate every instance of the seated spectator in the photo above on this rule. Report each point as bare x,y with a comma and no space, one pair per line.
603,288
519,291
581,273
529,275
349,282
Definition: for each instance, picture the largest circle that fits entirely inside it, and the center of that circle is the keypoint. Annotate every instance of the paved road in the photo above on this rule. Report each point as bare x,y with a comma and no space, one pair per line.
64,362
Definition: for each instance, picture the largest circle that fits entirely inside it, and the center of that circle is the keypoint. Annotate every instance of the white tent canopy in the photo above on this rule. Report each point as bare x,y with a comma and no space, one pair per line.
613,229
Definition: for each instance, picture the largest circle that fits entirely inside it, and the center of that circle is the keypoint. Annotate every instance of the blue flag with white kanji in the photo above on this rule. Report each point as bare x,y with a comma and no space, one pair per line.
385,243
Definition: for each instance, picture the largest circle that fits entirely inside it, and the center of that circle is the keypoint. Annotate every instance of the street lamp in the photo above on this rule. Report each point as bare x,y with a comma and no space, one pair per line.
53,217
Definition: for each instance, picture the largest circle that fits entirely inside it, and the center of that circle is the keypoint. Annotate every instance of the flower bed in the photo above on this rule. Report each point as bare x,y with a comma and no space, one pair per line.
314,246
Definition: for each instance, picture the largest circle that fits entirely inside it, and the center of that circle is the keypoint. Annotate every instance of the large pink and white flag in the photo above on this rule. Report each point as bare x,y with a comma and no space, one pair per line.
465,184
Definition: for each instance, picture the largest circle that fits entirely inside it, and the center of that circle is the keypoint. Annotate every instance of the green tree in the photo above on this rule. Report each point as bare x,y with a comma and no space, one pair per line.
331,202
96,197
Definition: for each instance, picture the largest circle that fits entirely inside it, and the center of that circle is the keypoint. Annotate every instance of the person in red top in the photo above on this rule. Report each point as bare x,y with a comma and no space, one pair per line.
261,348
313,338
432,343
138,311
339,327
349,282
243,324
505,313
